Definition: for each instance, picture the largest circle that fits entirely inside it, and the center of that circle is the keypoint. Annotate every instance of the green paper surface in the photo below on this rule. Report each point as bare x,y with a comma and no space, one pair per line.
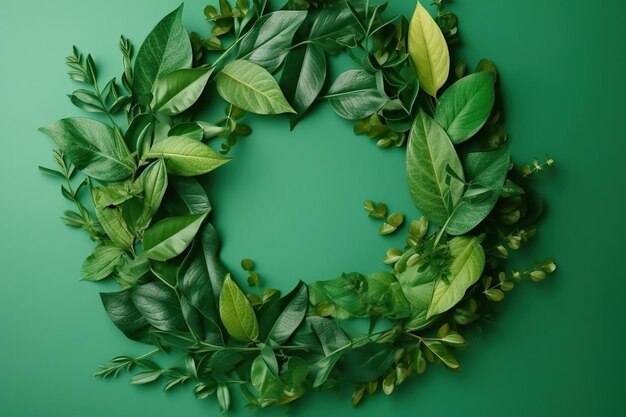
292,201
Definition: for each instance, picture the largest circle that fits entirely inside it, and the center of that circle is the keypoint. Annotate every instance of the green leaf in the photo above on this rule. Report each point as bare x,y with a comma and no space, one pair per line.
111,219
385,296
334,28
185,195
428,155
177,91
442,352
185,156
153,182
348,292
354,95
417,284
429,51
223,397
170,237
268,41
93,147
322,368
269,386
250,87
303,78
166,48
368,362
160,306
125,315
102,262
467,266
201,275
191,130
146,377
281,317
487,170
236,313
330,336
465,106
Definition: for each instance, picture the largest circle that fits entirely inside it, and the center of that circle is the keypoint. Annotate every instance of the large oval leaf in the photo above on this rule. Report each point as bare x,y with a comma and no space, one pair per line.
168,238
268,42
467,266
166,48
93,147
251,88
237,313
177,91
429,154
354,95
159,305
125,315
305,79
465,106
429,51
486,171
185,156
186,195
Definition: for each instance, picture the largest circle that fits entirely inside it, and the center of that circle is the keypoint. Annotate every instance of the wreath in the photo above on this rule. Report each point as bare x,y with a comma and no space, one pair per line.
134,183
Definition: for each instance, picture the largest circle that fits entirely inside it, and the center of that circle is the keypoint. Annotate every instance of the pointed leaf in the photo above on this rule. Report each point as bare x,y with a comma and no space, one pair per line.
125,315
170,237
354,95
185,156
250,87
160,306
102,262
429,51
153,182
466,269
177,91
236,313
429,153
281,317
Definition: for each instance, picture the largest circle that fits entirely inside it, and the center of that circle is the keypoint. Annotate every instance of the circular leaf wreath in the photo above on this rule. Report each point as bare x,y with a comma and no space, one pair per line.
151,224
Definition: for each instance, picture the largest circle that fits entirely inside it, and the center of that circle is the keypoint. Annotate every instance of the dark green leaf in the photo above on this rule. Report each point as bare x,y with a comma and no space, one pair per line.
281,317
159,305
186,196
125,315
166,48
354,95
334,28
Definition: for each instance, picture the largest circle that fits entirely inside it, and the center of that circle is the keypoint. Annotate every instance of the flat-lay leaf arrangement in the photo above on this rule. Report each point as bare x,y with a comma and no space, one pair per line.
132,173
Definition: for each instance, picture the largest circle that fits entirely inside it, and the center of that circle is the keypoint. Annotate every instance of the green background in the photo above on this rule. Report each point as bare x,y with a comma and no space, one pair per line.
292,201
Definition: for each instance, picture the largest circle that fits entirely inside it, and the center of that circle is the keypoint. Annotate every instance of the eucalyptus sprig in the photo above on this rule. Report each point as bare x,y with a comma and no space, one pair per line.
154,234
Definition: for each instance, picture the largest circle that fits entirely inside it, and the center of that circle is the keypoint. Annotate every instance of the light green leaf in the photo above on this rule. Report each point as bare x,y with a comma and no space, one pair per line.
428,155
465,106
355,95
153,182
487,170
146,377
467,266
102,262
418,284
177,91
166,48
168,238
237,313
185,156
93,147
112,220
250,87
442,352
334,28
429,51
268,42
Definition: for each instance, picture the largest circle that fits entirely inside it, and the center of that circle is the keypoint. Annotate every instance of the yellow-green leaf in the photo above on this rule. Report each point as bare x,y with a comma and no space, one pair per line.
237,313
429,51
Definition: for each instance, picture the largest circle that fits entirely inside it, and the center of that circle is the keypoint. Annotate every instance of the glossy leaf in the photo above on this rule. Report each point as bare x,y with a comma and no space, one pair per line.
168,238
160,306
166,48
177,91
354,95
443,353
236,313
125,315
333,29
185,156
102,262
465,106
428,156
186,195
153,183
250,87
429,51
487,170
368,362
467,266
303,77
201,275
112,219
417,284
268,41
93,147
330,336
281,317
